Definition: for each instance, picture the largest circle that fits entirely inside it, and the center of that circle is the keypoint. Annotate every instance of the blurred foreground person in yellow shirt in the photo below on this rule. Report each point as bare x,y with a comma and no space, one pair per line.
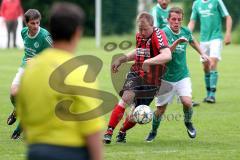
49,102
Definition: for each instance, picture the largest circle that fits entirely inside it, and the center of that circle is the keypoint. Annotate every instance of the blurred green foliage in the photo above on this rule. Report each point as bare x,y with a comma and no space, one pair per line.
231,5
117,16
44,6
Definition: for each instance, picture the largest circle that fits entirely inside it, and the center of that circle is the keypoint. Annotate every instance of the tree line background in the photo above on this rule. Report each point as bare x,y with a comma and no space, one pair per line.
118,17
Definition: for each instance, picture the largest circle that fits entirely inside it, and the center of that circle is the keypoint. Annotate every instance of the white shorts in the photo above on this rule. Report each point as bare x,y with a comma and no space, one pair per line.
17,78
212,48
180,88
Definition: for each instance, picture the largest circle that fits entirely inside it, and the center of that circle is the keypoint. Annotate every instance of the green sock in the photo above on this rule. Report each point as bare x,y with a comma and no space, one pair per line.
213,82
18,129
207,83
188,112
13,101
156,122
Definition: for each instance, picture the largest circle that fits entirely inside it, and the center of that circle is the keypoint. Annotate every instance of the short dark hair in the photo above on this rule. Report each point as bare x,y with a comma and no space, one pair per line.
32,14
175,10
145,15
65,18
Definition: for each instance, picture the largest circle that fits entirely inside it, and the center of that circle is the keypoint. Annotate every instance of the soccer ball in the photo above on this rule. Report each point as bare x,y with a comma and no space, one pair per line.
142,114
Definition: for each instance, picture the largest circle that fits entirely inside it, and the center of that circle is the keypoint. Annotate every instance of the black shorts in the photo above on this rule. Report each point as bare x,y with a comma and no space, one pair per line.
54,152
144,93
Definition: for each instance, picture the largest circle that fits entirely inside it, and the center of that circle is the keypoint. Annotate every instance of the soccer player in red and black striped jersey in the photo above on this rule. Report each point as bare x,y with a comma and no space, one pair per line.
143,80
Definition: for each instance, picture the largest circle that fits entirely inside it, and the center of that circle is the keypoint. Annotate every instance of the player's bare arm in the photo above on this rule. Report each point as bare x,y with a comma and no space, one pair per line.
191,25
227,39
196,46
95,145
125,58
180,40
164,56
28,60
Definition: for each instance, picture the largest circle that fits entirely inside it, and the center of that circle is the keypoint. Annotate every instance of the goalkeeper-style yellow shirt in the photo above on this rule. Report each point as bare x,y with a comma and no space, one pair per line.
37,100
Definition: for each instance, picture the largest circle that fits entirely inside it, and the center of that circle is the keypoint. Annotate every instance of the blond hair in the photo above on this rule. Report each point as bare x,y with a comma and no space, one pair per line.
145,16
175,10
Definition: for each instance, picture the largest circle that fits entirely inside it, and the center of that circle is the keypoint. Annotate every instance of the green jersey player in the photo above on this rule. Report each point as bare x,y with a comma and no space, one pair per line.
35,40
177,74
34,44
160,13
210,13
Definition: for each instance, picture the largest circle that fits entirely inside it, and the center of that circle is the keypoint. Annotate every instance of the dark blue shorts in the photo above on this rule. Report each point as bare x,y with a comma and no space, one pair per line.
137,84
144,93
53,152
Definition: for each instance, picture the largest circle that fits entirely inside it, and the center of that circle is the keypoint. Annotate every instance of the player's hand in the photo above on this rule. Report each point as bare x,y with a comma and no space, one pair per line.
227,39
145,67
182,39
28,60
115,66
205,58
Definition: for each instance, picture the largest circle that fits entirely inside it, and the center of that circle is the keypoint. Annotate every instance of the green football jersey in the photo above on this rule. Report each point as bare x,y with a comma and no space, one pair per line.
210,13
160,16
177,69
34,45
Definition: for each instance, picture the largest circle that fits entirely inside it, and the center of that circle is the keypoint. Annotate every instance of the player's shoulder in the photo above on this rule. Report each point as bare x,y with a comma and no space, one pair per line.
24,31
196,3
153,8
43,32
157,31
166,28
157,7
218,2
185,29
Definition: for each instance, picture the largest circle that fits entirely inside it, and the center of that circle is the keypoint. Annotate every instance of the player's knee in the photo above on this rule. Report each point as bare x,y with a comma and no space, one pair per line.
128,97
206,68
187,103
160,111
214,62
213,67
14,90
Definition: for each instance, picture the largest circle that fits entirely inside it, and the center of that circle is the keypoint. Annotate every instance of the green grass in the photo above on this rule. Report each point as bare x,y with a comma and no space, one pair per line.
217,125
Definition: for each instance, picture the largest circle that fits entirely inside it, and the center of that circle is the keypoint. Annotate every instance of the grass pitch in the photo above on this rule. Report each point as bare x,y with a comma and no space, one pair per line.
218,129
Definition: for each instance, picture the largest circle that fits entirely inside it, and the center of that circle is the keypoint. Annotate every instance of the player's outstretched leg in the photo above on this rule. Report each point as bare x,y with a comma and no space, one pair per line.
115,118
117,114
12,117
17,132
213,86
157,117
128,124
188,112
207,84
211,78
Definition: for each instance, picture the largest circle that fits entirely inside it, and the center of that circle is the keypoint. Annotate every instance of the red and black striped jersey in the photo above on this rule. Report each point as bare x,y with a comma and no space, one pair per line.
149,48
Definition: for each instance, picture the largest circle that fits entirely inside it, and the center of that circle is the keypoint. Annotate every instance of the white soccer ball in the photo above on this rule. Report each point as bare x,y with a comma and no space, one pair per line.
142,114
